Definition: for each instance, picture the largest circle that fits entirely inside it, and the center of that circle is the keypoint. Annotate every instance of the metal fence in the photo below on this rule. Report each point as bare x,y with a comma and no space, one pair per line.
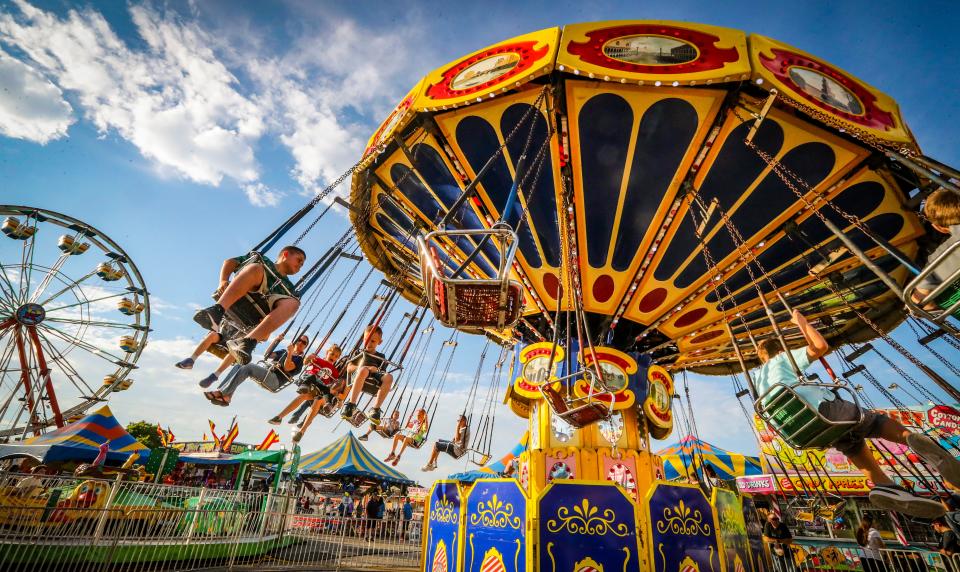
91,525
829,558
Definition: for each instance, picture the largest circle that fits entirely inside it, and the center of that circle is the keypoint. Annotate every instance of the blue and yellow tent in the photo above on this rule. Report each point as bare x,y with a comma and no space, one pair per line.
687,456
494,469
347,457
80,441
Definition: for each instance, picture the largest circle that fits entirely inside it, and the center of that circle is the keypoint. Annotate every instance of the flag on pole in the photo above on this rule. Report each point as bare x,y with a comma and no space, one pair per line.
102,454
213,432
230,437
170,436
205,439
162,434
270,440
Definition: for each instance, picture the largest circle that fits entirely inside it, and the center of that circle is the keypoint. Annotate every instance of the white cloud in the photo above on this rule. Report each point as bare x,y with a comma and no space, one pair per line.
31,107
175,100
179,100
260,195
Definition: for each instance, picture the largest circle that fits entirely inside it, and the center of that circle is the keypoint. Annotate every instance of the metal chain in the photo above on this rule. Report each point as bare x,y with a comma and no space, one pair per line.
780,171
855,132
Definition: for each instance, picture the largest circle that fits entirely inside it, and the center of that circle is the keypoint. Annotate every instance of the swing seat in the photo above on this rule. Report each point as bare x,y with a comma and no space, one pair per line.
386,433
580,416
358,419
946,296
471,302
330,408
417,442
798,423
482,460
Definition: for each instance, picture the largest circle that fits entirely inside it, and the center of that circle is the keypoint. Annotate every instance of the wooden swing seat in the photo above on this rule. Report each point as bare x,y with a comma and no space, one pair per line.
580,416
798,423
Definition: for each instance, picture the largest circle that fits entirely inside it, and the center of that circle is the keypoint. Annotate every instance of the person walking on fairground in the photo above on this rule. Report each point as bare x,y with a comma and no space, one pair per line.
407,516
868,538
777,370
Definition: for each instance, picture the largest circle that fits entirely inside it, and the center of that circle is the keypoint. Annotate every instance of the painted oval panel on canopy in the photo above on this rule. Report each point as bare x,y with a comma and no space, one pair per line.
652,51
490,71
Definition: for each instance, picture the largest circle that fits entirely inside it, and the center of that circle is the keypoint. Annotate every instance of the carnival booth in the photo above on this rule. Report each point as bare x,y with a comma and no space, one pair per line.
688,458
347,459
80,441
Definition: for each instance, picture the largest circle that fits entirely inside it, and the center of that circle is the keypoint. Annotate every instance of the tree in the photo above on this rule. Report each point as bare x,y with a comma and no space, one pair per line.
145,432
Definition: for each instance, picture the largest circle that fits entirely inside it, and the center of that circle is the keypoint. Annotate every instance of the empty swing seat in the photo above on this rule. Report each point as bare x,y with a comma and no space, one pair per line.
580,416
798,423
471,302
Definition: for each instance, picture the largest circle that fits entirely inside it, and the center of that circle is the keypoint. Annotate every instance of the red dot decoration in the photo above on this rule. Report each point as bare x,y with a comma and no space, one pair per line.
652,300
706,336
603,288
690,318
552,285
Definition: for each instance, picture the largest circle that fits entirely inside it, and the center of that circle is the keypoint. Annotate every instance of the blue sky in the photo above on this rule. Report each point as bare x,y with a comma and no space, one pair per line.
188,130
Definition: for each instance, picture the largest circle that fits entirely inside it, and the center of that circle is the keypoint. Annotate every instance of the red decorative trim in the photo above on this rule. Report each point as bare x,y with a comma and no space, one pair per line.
710,58
401,108
528,56
872,117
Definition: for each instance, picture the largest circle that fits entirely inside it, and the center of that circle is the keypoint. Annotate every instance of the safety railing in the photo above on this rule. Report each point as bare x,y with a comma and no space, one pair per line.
829,558
91,525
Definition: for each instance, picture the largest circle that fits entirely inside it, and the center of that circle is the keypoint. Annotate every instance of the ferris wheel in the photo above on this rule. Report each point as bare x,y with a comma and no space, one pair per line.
74,319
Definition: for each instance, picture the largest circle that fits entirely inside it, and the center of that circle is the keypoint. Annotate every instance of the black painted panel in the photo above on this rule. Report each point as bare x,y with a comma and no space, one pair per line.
666,131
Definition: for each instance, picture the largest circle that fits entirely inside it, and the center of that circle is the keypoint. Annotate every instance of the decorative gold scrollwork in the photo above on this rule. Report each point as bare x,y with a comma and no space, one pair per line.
587,520
444,511
495,514
683,520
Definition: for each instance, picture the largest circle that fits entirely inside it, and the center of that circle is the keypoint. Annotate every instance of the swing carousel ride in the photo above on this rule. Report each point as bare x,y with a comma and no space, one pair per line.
625,201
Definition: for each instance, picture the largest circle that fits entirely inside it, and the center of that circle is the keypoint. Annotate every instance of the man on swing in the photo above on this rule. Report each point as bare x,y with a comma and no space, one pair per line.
261,276
777,370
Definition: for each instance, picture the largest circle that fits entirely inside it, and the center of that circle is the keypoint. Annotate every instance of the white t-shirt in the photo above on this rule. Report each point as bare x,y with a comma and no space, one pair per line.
874,544
779,371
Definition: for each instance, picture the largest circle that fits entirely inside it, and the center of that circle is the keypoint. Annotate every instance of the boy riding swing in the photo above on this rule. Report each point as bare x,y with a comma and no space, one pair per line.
777,370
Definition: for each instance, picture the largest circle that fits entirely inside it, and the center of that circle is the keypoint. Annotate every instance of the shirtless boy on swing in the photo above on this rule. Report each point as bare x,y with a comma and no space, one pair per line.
776,370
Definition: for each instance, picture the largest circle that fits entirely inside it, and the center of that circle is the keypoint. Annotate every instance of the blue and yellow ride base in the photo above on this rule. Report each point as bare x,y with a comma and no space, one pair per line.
588,526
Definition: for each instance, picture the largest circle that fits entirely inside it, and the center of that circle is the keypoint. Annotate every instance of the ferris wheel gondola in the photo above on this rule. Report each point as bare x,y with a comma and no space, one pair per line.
74,319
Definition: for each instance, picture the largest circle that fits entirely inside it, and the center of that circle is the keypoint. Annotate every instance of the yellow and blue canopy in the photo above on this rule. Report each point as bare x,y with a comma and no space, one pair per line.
80,441
690,454
347,457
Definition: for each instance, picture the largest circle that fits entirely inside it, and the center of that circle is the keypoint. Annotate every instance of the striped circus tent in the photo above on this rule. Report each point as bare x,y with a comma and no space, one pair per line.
681,459
495,468
347,457
80,441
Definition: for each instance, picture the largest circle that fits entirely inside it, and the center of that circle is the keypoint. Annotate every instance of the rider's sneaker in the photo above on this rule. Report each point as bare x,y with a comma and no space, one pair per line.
242,350
935,456
892,497
375,416
390,457
210,318
208,381
184,363
297,435
275,420
362,437
348,410
428,467
301,424
294,419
